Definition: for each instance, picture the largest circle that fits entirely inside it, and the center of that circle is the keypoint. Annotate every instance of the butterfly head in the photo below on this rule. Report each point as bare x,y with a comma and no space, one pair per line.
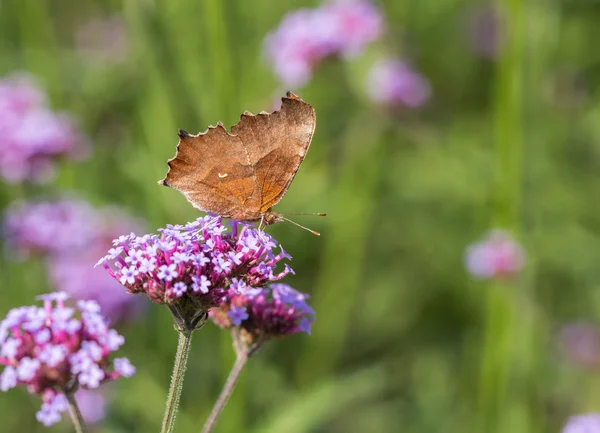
272,217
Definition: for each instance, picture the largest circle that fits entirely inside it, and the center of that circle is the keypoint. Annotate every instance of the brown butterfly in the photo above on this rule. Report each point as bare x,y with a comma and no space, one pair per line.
243,174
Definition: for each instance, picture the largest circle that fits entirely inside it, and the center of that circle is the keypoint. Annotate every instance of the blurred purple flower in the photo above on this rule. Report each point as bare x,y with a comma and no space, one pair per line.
354,25
496,256
260,314
589,423
51,352
71,234
486,30
49,227
394,83
305,37
191,268
103,40
19,94
580,343
32,137
92,405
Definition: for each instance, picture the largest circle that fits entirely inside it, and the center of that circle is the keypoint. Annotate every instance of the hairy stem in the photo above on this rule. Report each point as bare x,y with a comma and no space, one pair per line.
226,392
183,351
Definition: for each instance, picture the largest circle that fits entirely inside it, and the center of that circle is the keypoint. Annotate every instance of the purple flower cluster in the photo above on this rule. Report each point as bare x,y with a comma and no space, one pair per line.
51,352
71,234
589,423
496,256
392,82
199,263
275,311
50,227
305,37
32,136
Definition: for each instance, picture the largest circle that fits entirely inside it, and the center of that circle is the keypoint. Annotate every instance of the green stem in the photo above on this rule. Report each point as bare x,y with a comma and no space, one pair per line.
183,351
76,417
503,404
226,392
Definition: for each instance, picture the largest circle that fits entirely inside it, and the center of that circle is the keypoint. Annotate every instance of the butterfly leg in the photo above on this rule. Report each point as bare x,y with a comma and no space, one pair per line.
262,220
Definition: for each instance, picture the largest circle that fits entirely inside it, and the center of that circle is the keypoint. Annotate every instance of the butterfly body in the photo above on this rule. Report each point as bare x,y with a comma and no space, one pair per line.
242,174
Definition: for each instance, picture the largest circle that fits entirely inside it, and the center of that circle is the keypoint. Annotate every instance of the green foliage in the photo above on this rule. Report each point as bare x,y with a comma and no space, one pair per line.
404,340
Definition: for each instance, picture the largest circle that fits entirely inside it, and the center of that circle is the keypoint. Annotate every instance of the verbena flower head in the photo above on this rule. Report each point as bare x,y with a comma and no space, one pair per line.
32,136
260,314
192,268
305,37
56,349
580,343
393,82
50,227
589,423
498,255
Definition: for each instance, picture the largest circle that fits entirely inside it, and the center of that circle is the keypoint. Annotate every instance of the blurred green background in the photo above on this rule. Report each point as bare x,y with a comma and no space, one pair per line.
405,340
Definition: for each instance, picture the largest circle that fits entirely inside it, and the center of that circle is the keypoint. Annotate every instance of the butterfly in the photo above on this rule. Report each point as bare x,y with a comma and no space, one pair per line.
242,174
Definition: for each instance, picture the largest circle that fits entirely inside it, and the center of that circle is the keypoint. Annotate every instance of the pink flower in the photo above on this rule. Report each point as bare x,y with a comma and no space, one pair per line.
191,268
54,349
354,25
50,227
195,261
496,256
32,137
393,82
307,36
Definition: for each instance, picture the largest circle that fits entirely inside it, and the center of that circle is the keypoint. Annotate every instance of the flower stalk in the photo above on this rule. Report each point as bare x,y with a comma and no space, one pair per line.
172,405
232,379
75,413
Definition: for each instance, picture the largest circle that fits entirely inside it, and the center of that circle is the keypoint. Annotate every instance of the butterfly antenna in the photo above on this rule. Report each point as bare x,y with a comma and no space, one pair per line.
304,213
314,232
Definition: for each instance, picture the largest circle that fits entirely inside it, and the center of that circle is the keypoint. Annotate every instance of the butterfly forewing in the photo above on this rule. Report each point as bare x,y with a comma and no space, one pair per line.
242,174
223,189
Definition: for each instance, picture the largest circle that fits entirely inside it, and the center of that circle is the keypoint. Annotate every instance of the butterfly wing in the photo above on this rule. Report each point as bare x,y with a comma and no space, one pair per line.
242,174
276,144
213,171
